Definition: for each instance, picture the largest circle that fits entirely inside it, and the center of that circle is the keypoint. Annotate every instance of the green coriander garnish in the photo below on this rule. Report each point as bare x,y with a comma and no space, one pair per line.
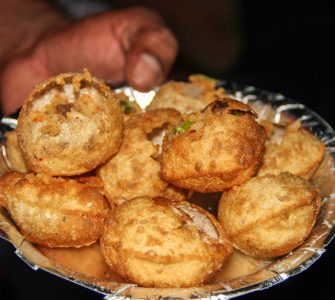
186,125
126,106
237,113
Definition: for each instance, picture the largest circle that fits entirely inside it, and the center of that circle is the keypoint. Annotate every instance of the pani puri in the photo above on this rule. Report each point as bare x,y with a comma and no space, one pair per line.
54,212
298,152
214,149
270,215
160,242
69,125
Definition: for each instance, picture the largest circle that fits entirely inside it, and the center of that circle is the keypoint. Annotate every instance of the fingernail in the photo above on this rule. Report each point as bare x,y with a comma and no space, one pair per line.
147,71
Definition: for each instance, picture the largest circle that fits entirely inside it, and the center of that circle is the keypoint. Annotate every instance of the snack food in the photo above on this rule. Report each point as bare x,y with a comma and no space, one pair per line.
187,97
224,280
69,125
297,152
14,153
54,212
214,149
128,107
271,215
139,172
164,243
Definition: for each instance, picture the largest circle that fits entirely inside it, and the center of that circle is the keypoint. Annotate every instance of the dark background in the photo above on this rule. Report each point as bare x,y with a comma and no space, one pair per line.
288,48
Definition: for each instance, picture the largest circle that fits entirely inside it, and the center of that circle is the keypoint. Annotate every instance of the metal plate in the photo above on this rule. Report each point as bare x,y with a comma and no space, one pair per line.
277,109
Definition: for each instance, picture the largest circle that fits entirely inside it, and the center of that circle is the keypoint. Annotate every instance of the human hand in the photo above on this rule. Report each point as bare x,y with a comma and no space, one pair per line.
131,45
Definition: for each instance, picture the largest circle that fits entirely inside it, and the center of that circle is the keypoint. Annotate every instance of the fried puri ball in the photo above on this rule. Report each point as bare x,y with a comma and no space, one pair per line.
214,149
128,107
134,170
69,125
270,215
160,242
14,153
54,212
187,97
298,152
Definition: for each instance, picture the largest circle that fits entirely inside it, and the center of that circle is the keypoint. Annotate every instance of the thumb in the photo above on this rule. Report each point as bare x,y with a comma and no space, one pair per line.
151,53
145,72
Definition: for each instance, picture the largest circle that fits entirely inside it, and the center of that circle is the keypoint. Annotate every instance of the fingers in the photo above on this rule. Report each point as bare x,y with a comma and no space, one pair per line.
89,43
130,45
150,58
151,49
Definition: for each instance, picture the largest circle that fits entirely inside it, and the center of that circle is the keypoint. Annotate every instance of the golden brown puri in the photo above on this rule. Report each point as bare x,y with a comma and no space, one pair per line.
298,152
151,121
134,170
69,124
214,149
128,107
271,215
187,97
176,193
54,212
14,153
160,242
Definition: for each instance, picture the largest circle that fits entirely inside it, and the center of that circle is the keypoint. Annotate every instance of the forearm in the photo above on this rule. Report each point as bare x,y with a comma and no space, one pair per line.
23,22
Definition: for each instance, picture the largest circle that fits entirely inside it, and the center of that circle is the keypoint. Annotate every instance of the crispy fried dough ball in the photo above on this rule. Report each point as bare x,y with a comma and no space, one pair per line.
164,243
271,215
14,153
187,97
134,170
54,212
128,107
176,193
215,149
298,152
69,124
